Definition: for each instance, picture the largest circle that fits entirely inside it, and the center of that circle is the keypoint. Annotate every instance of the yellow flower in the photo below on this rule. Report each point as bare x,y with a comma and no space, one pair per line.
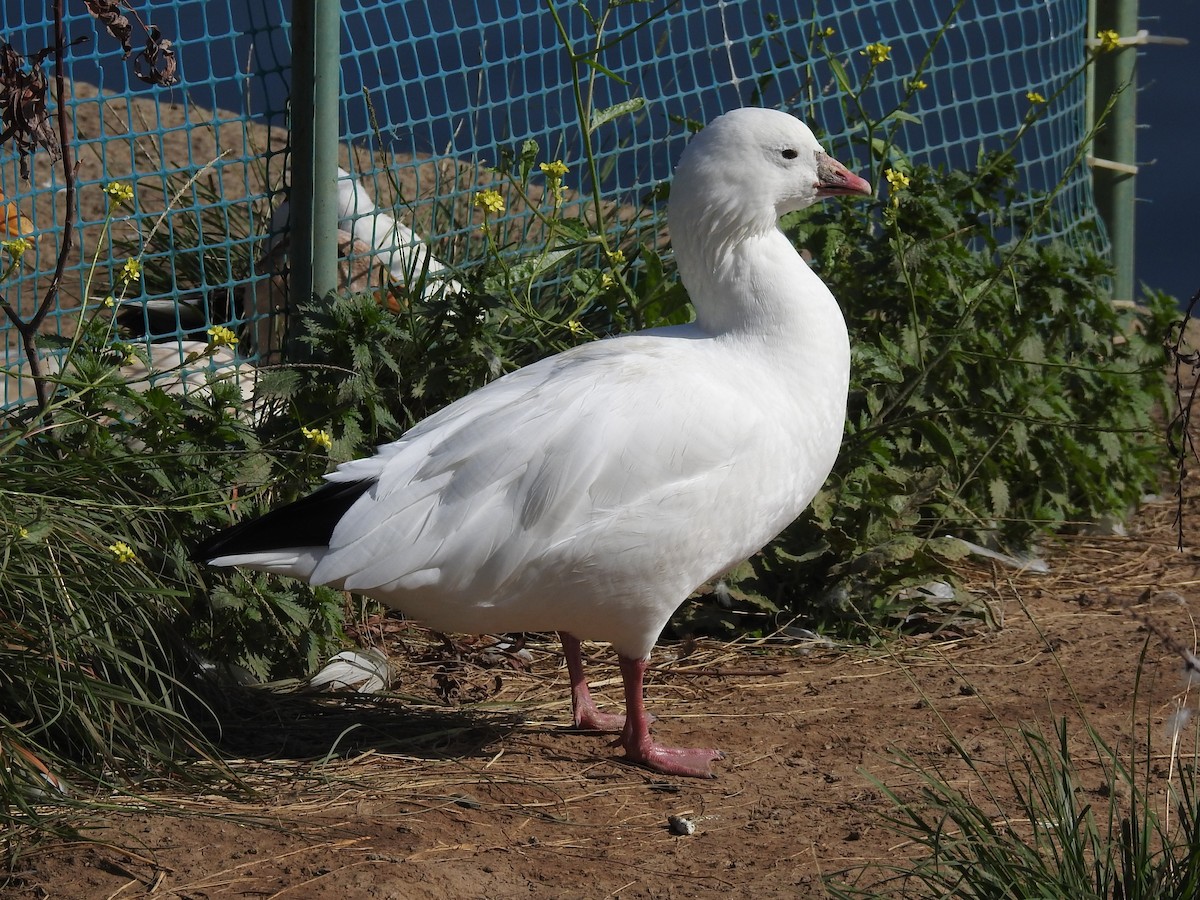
109,302
1109,40
16,248
490,201
917,84
22,532
122,551
616,257
220,336
118,192
576,327
1034,97
128,354
877,53
898,180
827,32
606,281
131,271
554,172
317,437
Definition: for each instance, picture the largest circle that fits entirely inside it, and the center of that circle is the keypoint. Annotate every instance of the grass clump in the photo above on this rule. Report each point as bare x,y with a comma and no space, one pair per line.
997,392
1062,836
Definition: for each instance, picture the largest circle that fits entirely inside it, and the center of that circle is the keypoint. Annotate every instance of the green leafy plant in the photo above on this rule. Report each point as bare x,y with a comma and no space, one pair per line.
997,392
113,644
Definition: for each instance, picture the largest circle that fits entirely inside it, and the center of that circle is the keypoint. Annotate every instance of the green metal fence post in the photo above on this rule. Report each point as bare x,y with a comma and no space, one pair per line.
316,78
1114,160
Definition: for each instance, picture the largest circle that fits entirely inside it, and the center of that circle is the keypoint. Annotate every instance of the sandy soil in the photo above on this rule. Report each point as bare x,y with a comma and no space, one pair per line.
470,785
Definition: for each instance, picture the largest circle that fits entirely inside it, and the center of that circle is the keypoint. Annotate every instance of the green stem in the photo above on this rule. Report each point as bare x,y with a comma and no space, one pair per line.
582,112
906,274
922,67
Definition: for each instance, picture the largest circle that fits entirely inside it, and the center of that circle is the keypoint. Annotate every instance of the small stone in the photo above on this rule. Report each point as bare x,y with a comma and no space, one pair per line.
681,826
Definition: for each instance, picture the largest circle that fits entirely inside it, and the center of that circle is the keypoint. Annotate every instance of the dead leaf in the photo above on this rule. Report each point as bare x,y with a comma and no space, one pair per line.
108,13
23,112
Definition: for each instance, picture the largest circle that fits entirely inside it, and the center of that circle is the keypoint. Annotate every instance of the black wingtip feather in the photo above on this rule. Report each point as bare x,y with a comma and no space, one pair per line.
308,522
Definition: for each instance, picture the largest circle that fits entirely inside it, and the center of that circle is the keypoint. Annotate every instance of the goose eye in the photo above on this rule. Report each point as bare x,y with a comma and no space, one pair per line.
789,153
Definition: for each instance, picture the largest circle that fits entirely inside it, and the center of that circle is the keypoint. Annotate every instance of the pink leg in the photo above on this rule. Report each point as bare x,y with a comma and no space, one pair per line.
583,707
641,748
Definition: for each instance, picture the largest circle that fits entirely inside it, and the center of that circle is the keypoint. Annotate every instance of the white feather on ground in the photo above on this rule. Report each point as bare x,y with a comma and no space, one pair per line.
363,671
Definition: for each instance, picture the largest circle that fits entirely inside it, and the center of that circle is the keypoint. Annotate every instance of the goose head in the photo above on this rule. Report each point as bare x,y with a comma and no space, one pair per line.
741,173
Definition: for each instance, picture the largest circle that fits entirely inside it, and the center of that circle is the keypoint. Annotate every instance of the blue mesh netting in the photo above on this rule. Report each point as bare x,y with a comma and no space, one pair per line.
450,84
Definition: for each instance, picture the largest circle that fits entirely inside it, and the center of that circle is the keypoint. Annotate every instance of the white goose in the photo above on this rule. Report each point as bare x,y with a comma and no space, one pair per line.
402,252
592,492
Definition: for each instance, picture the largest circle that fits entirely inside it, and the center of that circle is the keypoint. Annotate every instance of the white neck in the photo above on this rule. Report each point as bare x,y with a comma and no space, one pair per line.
754,285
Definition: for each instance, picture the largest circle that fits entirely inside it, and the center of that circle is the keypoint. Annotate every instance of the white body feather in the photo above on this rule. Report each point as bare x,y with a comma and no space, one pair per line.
593,491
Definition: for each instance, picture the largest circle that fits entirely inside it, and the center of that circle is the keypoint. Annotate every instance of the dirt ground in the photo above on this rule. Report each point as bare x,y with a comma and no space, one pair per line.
469,784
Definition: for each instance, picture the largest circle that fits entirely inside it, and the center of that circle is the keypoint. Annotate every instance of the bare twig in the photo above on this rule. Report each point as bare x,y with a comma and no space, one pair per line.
1186,361
28,329
70,168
